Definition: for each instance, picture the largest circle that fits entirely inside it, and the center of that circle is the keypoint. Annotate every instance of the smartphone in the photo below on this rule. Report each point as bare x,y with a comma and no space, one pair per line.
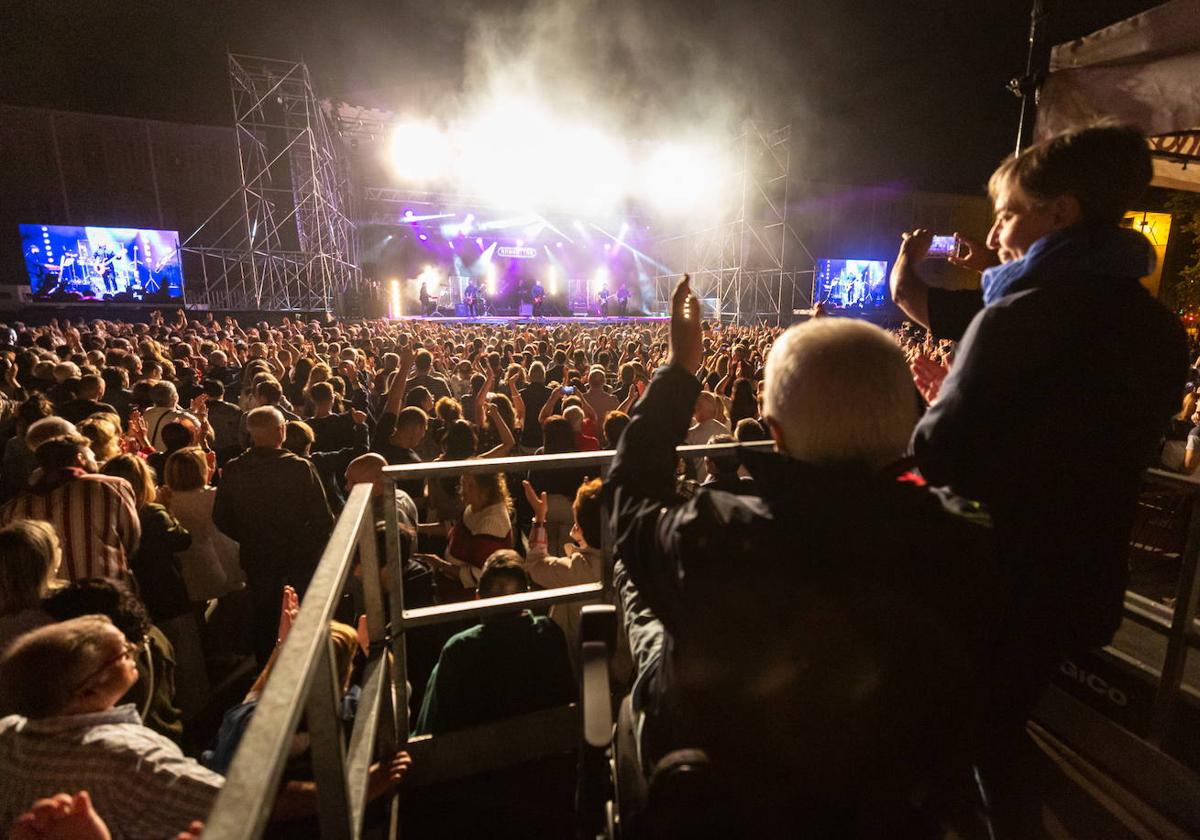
568,390
943,247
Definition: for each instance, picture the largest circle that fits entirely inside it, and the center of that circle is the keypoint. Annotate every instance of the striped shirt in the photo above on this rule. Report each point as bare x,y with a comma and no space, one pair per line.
139,781
96,520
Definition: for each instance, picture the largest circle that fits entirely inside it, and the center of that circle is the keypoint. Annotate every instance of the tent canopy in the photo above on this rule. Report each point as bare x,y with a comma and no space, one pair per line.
1144,71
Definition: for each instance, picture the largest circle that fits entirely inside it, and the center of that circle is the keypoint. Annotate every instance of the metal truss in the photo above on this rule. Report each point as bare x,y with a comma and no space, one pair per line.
293,247
739,267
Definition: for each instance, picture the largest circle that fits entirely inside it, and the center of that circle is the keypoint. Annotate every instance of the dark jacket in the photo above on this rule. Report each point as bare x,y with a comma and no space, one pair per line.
78,410
273,504
826,634
156,564
534,395
1052,410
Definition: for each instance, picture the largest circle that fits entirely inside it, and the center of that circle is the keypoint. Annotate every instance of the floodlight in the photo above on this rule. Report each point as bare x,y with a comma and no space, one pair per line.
683,178
419,153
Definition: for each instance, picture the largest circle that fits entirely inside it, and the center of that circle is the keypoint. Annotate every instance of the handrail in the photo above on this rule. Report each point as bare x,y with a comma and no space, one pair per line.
558,461
303,678
244,804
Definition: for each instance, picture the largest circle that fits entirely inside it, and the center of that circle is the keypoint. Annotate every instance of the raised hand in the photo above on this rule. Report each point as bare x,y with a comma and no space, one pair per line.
687,347
914,244
60,817
288,610
928,376
539,503
199,406
977,256
384,775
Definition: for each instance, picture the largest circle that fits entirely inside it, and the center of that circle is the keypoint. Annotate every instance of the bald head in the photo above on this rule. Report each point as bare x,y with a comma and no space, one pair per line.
265,425
706,406
42,430
366,469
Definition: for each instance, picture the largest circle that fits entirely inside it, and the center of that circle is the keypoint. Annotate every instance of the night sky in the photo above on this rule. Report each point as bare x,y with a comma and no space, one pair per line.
877,93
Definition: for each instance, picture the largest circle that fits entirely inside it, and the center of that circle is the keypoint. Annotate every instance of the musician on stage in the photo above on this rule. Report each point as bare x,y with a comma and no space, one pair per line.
623,299
102,264
537,294
426,301
602,297
471,299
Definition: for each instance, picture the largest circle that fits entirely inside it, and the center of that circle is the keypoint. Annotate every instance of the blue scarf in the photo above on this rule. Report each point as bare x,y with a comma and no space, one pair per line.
1107,252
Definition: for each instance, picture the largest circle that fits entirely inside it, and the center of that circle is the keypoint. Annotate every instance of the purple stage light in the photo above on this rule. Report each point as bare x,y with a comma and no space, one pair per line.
607,246
408,214
423,238
451,244
559,244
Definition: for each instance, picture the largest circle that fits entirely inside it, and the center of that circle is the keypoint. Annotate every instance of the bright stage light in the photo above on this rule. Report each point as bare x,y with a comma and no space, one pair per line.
431,278
419,152
601,277
491,279
552,280
394,309
681,178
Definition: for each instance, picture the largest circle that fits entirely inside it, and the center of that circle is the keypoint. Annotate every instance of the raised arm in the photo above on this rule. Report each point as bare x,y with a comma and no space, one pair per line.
518,402
507,441
908,289
481,399
550,405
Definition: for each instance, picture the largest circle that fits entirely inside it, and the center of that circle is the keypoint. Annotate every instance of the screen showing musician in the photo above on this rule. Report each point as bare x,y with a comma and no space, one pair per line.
67,263
851,284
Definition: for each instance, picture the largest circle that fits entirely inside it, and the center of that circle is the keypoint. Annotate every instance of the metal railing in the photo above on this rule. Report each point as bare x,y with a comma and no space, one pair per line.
303,679
1179,630
303,676
1144,764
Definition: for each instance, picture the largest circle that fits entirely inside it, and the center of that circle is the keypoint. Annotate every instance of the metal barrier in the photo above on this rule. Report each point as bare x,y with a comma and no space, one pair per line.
1143,764
303,678
1179,630
303,675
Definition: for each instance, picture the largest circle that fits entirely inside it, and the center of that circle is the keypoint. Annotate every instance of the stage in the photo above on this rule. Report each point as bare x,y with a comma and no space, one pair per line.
583,320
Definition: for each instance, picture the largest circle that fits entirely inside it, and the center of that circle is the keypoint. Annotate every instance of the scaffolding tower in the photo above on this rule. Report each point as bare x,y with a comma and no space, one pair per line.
293,247
739,267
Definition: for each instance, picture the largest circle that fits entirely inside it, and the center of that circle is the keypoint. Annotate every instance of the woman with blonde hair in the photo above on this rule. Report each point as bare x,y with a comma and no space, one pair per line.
104,432
159,574
210,564
29,558
485,527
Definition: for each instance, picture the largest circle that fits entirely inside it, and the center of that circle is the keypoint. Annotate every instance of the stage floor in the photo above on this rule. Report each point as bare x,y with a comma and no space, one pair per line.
586,320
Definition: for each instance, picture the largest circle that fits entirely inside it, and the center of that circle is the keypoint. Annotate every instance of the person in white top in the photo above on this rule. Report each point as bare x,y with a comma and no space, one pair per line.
706,425
582,562
597,395
210,565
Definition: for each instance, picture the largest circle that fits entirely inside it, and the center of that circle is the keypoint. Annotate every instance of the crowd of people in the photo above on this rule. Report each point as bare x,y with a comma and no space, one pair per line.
169,487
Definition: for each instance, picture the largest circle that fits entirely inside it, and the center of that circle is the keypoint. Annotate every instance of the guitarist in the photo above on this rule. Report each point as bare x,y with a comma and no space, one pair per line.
537,294
471,299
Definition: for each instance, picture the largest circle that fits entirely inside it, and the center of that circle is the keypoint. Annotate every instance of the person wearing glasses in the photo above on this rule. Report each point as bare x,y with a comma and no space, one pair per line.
63,729
68,729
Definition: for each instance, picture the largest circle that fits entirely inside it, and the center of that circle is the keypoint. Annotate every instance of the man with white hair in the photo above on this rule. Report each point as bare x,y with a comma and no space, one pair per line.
272,503
821,642
597,394
165,410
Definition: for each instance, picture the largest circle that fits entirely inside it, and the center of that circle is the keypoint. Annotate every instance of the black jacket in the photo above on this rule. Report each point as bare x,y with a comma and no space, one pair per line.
273,504
1054,407
825,634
